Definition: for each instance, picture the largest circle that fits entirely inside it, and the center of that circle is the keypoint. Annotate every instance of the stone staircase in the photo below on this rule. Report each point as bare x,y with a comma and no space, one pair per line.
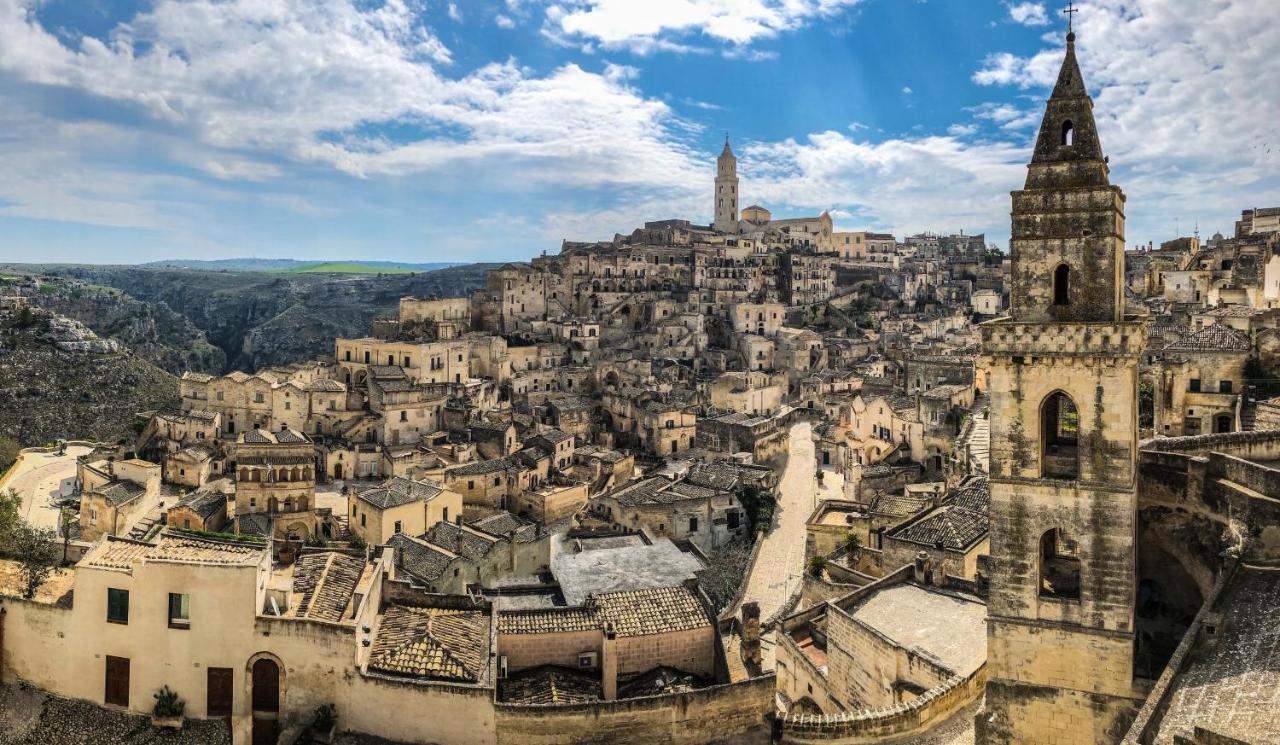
976,440
143,528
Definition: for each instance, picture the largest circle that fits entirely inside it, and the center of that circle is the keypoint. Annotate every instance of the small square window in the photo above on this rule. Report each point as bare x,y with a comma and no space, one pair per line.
399,527
117,605
179,610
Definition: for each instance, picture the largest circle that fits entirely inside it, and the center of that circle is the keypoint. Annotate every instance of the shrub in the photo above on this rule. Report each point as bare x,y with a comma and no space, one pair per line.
817,565
326,717
168,704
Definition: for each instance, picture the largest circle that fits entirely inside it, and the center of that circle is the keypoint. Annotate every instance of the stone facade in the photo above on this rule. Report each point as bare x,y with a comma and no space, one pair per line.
1064,385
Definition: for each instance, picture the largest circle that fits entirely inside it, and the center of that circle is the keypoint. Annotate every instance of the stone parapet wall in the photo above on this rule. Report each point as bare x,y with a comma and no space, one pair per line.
874,725
705,715
1003,338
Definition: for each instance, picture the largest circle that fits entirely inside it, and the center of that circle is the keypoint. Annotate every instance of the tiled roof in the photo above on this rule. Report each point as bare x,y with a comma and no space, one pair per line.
459,540
326,385
397,491
385,372
434,643
1215,338
120,492
547,621
419,558
1233,311
265,437
197,377
493,465
657,610
253,523
503,523
196,452
324,583
898,505
177,547
204,502
572,403
946,527
551,684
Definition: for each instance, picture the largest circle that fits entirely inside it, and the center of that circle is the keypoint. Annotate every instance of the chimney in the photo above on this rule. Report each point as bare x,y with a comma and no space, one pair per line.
751,633
609,663
922,571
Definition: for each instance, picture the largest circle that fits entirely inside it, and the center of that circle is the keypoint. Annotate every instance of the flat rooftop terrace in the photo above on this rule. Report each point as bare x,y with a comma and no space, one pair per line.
584,566
949,627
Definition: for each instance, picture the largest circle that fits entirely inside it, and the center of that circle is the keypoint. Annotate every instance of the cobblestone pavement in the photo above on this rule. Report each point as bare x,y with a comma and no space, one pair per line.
41,476
31,717
778,568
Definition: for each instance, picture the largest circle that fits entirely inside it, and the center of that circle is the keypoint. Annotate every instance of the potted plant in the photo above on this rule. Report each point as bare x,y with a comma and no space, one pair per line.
325,724
168,710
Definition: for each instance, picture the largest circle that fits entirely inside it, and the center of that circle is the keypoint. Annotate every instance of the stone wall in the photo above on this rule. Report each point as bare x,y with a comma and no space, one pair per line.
876,725
708,714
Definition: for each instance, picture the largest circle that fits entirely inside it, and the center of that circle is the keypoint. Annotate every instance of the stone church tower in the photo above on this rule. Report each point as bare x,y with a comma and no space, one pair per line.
1064,390
726,191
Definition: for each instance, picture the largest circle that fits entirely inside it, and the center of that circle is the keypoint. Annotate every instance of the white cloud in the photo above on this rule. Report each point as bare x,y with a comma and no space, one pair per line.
650,25
246,90
906,90
454,13
1179,100
1028,14
502,21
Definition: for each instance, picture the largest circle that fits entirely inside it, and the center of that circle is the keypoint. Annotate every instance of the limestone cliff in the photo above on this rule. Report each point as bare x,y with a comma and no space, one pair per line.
60,379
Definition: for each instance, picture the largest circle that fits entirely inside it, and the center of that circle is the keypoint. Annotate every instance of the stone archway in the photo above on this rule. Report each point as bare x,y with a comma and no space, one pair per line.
264,675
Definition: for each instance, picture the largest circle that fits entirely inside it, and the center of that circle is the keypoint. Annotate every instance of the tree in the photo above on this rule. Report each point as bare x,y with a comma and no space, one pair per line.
10,515
817,564
36,552
8,452
852,542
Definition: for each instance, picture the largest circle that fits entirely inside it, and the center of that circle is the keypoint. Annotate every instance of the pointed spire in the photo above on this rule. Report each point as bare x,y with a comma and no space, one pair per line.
1068,131
727,150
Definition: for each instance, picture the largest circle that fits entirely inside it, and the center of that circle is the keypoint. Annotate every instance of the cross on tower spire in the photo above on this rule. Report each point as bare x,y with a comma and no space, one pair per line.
1070,13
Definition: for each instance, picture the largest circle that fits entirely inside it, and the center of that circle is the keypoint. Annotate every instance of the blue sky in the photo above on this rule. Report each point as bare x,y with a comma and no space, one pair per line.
481,130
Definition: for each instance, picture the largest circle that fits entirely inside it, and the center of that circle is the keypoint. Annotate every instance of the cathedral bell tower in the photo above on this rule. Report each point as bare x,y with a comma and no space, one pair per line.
1064,438
726,191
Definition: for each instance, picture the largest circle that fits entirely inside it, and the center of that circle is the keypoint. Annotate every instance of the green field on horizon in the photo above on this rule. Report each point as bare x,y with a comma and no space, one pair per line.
345,267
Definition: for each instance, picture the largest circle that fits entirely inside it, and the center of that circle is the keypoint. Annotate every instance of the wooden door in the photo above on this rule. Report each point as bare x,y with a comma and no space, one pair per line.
266,686
117,688
265,731
219,692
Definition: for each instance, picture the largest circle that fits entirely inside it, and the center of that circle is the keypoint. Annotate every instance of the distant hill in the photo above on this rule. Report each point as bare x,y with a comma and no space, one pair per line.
294,265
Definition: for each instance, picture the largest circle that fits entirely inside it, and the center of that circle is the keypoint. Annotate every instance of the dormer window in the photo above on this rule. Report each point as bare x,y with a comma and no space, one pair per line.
1068,133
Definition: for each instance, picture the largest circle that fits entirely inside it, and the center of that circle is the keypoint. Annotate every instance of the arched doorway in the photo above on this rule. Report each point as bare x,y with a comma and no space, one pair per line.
1222,423
265,693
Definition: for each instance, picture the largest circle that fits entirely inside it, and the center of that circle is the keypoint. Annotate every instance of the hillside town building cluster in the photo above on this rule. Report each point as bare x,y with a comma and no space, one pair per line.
704,481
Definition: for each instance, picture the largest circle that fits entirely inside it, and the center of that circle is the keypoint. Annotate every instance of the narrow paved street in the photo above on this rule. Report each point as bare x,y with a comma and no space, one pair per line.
39,478
777,570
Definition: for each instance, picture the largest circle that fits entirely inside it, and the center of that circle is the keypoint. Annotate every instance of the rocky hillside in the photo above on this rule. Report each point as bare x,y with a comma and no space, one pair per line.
152,331
60,379
258,319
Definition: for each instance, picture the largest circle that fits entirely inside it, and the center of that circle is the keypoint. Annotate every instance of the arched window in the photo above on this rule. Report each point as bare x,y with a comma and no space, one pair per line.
1059,566
1059,437
1068,133
1062,285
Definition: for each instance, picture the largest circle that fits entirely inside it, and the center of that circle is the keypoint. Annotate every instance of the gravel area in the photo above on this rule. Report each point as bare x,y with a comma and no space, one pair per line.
32,717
